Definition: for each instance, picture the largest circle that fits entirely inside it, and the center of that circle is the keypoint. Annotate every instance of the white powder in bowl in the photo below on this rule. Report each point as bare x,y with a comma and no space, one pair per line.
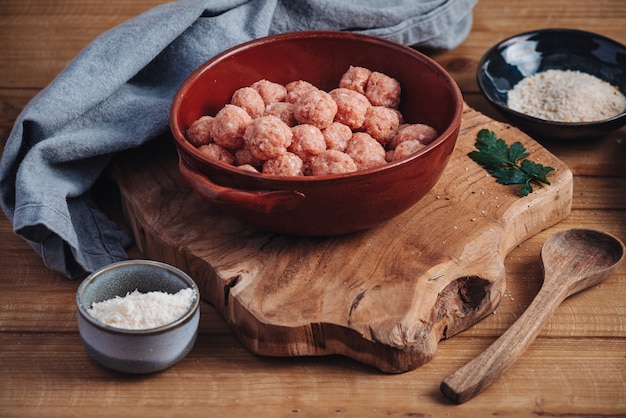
139,310
566,96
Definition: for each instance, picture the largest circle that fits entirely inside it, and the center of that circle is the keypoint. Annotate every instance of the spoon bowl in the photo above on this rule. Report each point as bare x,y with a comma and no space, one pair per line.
580,258
572,260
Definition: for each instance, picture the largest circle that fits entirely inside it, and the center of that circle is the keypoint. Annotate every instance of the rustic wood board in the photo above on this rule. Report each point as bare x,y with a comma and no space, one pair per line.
385,296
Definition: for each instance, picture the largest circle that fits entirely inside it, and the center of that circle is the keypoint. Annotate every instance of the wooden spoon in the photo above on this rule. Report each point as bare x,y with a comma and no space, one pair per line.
572,260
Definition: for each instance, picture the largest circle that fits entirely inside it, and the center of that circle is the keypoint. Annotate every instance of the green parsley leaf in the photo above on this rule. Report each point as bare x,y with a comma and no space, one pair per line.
517,152
503,162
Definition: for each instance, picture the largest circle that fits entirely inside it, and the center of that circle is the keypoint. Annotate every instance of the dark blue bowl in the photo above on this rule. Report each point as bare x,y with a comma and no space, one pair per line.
508,62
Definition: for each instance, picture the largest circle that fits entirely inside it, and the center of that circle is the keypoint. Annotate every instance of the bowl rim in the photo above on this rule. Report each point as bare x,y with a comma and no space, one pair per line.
506,109
188,147
186,317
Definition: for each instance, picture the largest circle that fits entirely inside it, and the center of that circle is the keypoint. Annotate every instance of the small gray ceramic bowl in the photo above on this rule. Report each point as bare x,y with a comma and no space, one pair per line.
136,351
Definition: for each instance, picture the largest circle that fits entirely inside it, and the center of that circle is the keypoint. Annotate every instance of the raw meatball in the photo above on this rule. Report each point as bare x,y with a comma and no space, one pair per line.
351,107
243,156
267,137
337,136
365,151
287,164
381,123
355,79
307,142
283,110
229,126
297,89
199,133
400,116
249,100
270,92
217,153
407,148
382,90
332,162
425,134
248,167
316,107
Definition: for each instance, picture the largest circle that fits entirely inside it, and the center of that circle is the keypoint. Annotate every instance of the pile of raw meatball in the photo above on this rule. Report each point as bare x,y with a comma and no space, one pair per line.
298,129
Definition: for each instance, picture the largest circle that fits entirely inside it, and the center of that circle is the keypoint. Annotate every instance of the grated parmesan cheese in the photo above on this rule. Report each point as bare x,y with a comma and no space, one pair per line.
139,310
566,96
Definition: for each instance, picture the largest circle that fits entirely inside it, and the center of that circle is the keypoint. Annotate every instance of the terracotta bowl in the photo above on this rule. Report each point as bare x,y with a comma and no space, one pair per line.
316,205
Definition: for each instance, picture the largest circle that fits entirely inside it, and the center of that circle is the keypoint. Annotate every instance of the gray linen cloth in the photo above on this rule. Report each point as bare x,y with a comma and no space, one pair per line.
116,94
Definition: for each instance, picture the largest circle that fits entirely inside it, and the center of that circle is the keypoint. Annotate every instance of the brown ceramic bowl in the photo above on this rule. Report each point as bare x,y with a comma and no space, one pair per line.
316,205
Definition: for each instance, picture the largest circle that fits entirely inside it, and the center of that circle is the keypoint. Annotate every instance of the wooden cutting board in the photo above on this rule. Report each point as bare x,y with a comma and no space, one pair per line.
385,296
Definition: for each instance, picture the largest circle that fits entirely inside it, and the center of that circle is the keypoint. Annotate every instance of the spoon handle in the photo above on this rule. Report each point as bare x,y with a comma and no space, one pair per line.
485,369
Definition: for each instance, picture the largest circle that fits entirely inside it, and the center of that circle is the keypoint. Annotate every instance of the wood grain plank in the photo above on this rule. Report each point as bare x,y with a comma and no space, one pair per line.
39,39
59,8
32,59
496,20
218,377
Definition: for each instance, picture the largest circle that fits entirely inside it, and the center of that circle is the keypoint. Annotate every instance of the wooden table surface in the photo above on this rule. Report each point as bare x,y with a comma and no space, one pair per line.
576,367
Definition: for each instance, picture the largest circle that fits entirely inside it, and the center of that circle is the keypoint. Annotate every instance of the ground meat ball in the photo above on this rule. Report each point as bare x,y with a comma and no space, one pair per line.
381,123
400,116
425,134
267,137
229,126
365,151
249,100
297,89
307,142
287,164
248,167
282,110
332,162
217,153
406,148
382,90
316,107
351,107
355,79
199,133
299,129
337,136
270,92
243,156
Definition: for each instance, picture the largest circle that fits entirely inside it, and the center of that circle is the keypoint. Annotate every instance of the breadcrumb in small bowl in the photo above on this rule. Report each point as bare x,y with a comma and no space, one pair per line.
138,316
324,157
557,83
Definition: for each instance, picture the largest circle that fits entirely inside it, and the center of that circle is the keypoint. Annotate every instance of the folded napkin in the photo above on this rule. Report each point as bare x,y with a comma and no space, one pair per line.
116,94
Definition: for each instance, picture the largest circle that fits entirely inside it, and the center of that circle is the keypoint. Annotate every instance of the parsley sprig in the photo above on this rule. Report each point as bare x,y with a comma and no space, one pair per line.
504,164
